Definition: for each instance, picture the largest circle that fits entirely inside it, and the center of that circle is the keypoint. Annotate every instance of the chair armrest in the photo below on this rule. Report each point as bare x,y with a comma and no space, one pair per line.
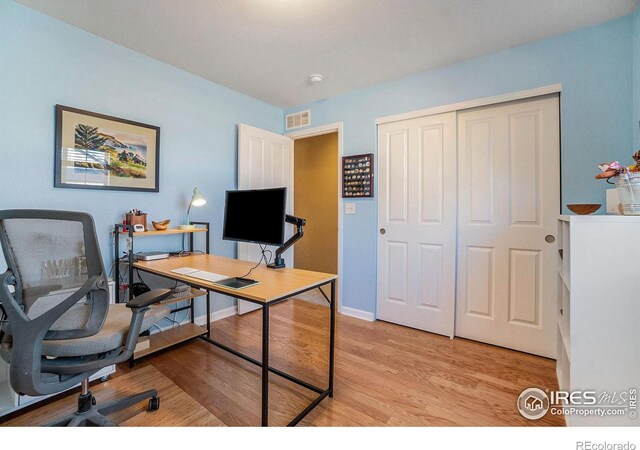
149,298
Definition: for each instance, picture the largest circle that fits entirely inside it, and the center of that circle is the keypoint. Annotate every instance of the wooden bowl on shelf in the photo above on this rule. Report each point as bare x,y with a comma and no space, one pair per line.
584,208
162,225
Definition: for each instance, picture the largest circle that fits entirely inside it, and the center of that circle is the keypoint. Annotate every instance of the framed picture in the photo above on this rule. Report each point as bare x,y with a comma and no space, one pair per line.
357,176
94,151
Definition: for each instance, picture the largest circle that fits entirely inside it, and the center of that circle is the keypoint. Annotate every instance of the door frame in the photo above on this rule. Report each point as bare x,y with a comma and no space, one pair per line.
336,127
484,101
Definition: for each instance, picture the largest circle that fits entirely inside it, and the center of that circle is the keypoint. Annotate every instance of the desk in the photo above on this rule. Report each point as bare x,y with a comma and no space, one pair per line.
275,286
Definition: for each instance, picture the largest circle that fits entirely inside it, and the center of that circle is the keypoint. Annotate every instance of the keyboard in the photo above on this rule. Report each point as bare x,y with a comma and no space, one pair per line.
206,276
176,295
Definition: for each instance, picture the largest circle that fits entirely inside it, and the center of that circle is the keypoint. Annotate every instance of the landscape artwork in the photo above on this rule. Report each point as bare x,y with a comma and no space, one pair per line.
120,154
95,151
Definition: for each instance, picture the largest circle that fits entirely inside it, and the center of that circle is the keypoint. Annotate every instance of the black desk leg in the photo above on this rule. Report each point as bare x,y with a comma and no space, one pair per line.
208,315
117,266
332,336
265,365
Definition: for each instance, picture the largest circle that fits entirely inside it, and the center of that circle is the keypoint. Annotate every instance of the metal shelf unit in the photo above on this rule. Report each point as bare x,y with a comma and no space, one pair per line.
166,338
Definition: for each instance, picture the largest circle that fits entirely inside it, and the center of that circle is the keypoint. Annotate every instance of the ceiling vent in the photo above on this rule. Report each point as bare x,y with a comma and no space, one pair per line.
299,119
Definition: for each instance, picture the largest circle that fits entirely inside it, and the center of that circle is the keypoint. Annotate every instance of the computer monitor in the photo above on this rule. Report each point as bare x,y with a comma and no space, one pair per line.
256,216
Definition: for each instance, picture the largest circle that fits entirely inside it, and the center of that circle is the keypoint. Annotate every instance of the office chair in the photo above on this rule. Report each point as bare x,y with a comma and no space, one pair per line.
58,327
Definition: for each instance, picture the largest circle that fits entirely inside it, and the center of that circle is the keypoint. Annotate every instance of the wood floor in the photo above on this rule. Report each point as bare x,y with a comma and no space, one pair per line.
386,375
177,408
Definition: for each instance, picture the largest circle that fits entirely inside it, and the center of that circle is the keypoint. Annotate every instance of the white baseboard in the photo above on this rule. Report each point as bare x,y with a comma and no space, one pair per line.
357,313
217,315
233,310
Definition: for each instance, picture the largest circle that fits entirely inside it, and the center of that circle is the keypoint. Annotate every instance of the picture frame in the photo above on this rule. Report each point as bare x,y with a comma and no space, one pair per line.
96,151
357,176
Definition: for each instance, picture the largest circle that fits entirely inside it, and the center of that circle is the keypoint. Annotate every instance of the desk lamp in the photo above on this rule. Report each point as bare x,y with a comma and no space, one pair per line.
196,200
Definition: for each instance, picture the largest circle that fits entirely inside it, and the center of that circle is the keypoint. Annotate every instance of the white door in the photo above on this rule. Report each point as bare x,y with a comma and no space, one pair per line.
417,214
264,161
509,200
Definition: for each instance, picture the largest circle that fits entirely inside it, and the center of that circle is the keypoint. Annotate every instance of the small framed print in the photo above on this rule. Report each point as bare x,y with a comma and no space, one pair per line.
357,176
94,151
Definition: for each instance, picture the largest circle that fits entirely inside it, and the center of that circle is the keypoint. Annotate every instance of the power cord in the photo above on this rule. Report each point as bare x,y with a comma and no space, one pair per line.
263,257
140,277
270,256
174,322
120,260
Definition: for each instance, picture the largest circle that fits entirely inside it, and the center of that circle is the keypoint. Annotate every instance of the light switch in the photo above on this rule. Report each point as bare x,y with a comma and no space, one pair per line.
349,208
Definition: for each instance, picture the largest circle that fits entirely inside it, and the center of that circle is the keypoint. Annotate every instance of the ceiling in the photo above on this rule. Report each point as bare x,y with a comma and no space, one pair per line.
268,48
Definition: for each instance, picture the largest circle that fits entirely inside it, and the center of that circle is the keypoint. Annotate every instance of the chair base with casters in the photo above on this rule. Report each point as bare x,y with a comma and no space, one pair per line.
90,414
108,343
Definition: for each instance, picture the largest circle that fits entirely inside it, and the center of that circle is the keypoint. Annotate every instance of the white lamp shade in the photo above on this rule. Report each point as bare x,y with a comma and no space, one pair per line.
197,199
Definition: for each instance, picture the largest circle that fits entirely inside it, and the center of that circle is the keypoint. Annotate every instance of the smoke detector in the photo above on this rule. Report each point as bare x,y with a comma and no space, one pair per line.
315,78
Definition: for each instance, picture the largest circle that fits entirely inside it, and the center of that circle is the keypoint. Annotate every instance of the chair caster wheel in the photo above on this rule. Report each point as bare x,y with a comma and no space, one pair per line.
154,404
104,378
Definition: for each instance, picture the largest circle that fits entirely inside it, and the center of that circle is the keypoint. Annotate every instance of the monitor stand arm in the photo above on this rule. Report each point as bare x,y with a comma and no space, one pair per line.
278,262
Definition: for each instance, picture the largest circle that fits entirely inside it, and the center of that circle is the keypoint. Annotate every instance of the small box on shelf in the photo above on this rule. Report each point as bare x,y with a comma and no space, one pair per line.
136,219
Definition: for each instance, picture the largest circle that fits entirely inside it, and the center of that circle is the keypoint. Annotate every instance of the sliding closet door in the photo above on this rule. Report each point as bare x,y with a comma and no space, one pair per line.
417,222
509,199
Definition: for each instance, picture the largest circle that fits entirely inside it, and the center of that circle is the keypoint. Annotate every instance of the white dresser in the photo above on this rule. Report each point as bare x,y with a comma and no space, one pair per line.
10,401
599,310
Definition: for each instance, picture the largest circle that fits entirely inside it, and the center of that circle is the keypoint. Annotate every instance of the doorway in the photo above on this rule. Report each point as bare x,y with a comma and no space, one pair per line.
299,138
315,190
315,187
266,159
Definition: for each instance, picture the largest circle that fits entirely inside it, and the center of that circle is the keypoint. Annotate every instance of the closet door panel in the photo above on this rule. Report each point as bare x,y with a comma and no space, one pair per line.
417,222
509,199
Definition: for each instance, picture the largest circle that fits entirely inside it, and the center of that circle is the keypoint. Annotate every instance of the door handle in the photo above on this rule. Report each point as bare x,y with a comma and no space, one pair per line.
550,238
382,231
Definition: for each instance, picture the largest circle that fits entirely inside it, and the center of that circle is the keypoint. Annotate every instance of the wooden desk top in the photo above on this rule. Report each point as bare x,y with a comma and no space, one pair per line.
274,284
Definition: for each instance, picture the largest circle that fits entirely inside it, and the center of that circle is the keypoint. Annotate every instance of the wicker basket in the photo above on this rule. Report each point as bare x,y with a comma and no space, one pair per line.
628,187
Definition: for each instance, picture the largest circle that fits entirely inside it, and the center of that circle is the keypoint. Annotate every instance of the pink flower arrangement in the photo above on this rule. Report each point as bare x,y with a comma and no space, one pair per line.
614,168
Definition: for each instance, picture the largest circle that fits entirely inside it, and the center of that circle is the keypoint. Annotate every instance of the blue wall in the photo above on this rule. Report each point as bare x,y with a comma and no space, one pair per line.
595,69
44,62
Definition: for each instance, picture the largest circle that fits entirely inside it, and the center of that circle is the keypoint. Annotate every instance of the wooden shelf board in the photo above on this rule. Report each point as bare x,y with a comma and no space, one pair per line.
167,338
165,232
195,293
